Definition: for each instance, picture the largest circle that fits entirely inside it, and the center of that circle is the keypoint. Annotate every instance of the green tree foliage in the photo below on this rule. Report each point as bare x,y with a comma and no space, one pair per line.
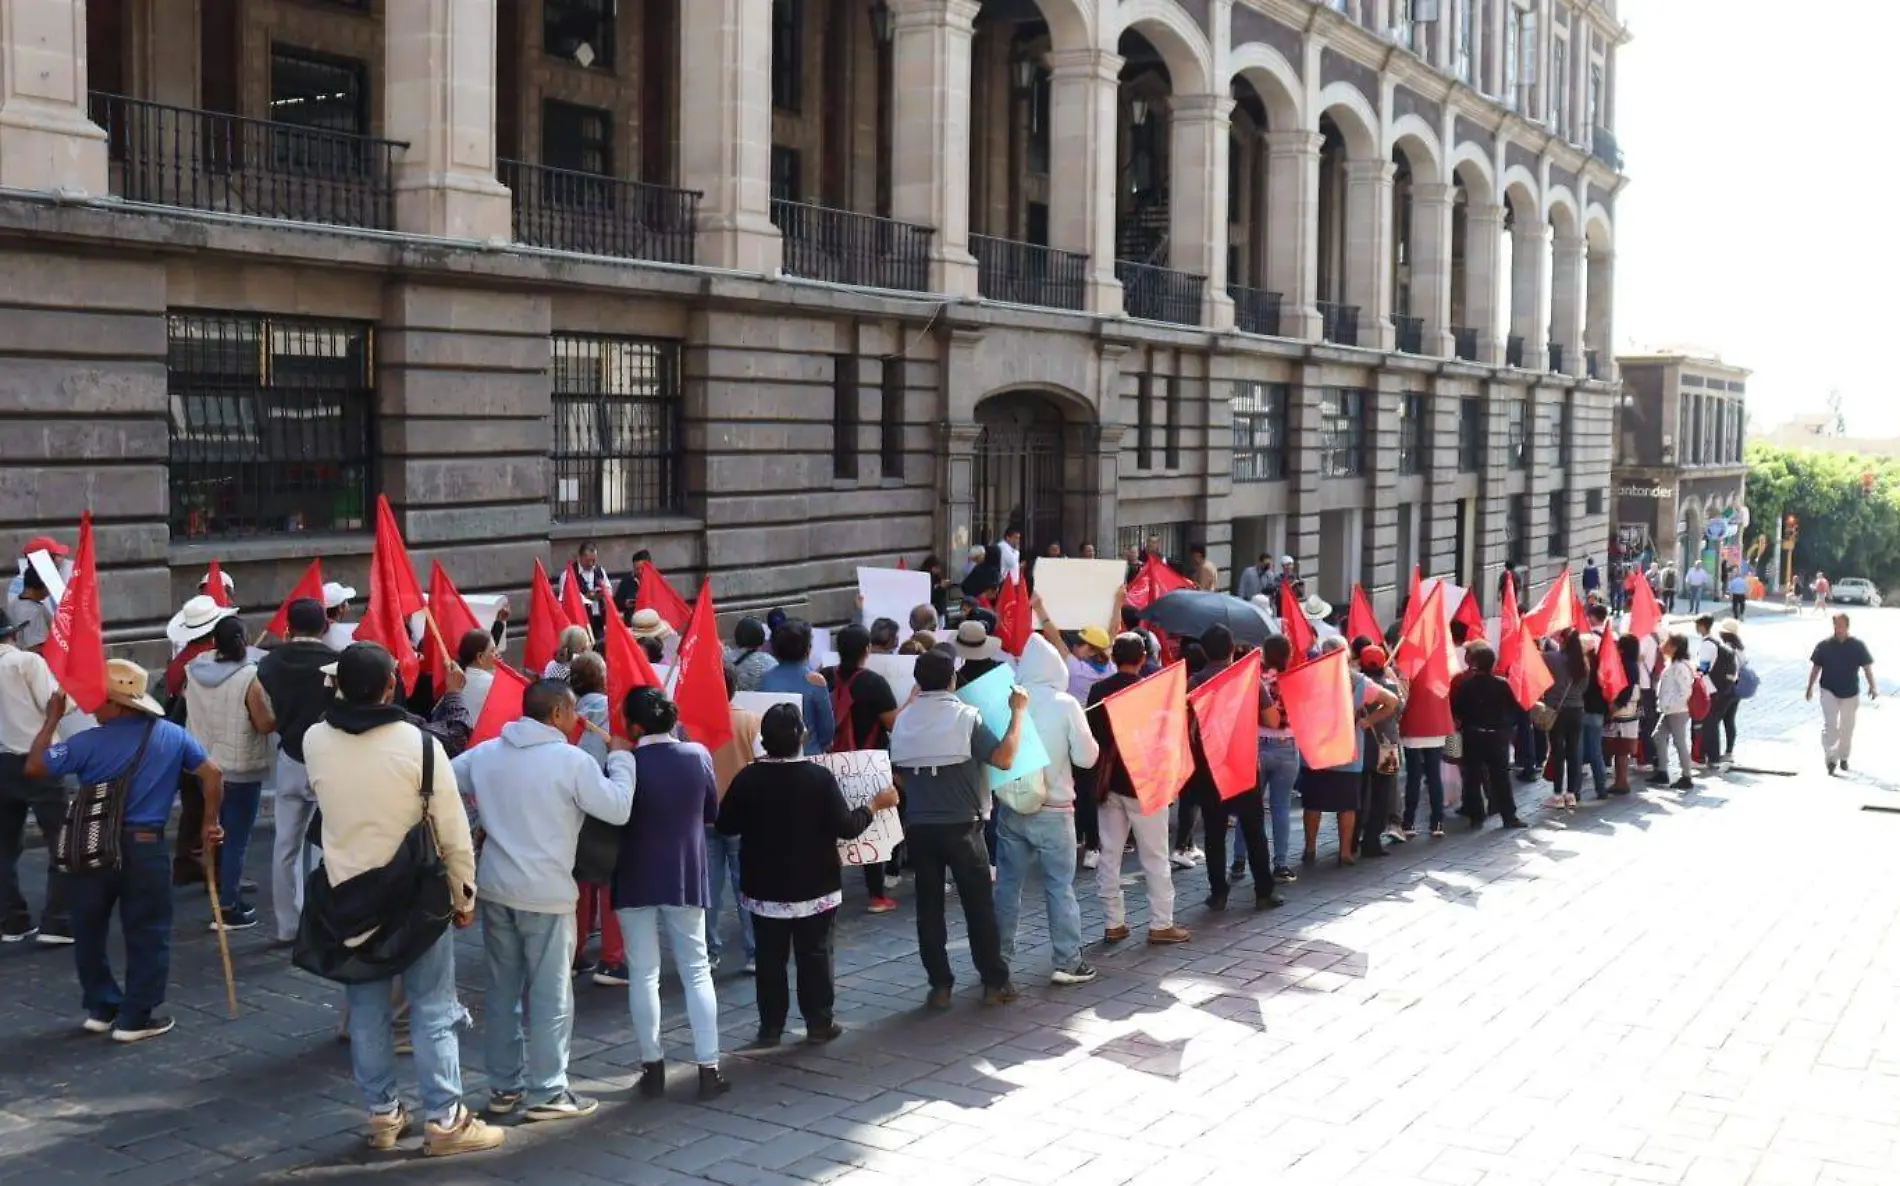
1844,532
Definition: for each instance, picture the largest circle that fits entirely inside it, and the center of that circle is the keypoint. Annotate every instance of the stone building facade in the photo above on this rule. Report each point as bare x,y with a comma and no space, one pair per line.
1679,459
777,288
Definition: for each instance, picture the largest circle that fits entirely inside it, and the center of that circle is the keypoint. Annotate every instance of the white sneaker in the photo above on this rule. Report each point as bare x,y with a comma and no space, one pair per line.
1570,800
1556,801
1181,860
1090,858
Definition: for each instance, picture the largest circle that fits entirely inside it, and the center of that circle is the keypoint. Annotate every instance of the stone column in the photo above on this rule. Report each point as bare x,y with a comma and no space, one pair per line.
1484,251
1083,85
1103,519
1530,314
439,97
1566,300
1501,11
930,173
1431,264
1369,249
46,142
1293,230
1201,132
1599,332
726,130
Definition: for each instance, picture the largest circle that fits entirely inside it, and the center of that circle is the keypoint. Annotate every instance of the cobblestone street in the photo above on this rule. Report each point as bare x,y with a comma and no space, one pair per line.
1693,988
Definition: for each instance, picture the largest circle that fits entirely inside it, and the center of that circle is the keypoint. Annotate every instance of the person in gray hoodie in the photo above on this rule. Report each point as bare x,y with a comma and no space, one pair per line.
1035,816
227,711
533,789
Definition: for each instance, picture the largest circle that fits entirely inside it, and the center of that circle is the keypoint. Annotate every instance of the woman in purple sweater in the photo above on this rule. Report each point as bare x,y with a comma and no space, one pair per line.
660,880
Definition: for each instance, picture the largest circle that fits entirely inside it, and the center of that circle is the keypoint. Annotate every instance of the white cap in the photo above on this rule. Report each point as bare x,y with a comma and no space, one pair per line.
335,594
1286,560
225,580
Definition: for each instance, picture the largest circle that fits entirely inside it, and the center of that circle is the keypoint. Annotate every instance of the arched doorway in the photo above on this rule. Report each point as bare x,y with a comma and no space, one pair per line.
1021,459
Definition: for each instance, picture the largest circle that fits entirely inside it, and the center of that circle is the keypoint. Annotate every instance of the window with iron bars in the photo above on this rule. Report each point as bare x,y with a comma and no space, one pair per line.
1172,536
1342,432
1412,432
1259,431
1470,434
271,424
617,438
579,31
1518,441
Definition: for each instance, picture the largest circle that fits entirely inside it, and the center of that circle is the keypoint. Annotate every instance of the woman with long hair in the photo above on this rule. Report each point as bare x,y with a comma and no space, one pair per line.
226,710
1673,690
1380,787
1279,756
1569,673
1620,732
1731,632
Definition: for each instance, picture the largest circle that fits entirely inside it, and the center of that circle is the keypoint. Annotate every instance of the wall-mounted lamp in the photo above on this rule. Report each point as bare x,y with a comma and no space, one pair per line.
881,22
1138,111
1025,69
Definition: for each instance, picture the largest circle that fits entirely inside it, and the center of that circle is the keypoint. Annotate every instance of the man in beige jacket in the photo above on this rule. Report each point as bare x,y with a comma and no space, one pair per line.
365,762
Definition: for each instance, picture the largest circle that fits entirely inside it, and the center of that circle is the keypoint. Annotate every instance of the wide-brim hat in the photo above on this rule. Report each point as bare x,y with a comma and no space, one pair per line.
648,623
974,642
126,682
1316,606
196,620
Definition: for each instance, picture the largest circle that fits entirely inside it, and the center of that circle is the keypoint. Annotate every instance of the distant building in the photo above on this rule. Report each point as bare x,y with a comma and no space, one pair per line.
1819,431
1678,464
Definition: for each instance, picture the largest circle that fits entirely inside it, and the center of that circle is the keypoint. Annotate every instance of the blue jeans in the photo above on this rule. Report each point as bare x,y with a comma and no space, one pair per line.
1046,840
528,954
1279,769
722,870
1424,766
237,816
141,888
686,935
434,1013
1593,749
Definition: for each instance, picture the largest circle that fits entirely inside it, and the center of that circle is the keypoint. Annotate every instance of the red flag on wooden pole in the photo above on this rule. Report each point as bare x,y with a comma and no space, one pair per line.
1471,614
1645,614
214,583
1360,622
657,595
310,586
1013,625
545,622
1612,678
394,594
1227,709
452,617
1530,676
503,703
1558,611
1428,658
573,605
1294,625
1510,622
1413,603
1149,721
700,690
75,650
627,669
1319,710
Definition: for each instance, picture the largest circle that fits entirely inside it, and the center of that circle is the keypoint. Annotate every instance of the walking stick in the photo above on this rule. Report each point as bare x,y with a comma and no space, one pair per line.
217,918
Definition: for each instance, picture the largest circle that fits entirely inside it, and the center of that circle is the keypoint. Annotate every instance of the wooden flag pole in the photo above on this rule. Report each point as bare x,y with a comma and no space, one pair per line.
217,923
435,632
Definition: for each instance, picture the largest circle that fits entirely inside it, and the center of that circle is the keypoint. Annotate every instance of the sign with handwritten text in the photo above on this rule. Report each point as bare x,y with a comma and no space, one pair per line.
861,774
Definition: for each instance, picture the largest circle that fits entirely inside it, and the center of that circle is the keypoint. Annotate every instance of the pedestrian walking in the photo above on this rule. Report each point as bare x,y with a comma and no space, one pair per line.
1674,687
785,816
1822,587
1738,594
1669,588
1837,664
1730,633
26,688
227,711
532,791
1570,674
297,693
1696,581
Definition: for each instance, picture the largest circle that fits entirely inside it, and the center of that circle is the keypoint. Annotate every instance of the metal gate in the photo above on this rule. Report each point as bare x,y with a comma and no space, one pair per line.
1018,476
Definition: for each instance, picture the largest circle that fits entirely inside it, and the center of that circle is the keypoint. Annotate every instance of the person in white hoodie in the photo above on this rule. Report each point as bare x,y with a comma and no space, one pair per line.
532,789
1035,816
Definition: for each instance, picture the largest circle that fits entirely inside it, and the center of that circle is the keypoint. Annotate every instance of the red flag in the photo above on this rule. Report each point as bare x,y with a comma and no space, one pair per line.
1360,622
1013,625
903,565
1227,709
214,583
453,619
1413,603
1149,721
1558,611
310,586
627,669
1428,653
1154,581
1509,625
655,594
1471,614
700,690
1645,614
1611,677
402,574
503,703
545,622
76,648
394,595
1294,625
573,605
1320,711
1530,676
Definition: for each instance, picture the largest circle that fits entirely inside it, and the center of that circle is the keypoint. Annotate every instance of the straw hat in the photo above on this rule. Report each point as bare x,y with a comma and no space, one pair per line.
647,623
196,620
1316,606
974,642
126,682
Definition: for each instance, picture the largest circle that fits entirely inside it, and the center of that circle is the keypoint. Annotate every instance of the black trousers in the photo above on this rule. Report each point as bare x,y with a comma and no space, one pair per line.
1646,735
1186,809
1721,706
1488,776
1376,795
1728,725
45,800
1566,744
1249,809
1088,811
807,942
1739,603
959,849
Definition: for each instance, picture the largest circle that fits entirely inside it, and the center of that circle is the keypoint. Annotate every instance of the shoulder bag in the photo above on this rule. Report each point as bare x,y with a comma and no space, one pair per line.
89,839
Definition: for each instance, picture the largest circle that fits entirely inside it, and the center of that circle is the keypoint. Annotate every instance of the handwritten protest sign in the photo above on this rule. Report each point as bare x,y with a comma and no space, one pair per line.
861,774
990,696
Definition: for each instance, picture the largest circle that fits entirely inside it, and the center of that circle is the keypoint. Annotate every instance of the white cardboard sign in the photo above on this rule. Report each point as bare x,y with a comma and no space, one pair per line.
1080,593
892,593
861,774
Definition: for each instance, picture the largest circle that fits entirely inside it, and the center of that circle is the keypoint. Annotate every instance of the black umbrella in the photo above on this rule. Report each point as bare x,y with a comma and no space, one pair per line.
1188,613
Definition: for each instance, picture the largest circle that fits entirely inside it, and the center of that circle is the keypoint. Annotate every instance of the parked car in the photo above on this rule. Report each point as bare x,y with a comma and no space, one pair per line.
1854,591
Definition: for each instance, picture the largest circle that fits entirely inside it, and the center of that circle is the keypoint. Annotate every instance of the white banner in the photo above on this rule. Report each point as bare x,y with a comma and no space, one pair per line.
1080,593
892,593
861,774
899,671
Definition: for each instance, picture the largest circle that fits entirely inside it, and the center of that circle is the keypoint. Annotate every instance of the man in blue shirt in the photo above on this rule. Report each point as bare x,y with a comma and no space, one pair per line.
141,885
791,646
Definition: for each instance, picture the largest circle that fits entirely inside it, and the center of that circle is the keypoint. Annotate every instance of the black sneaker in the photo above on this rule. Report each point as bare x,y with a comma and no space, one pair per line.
818,1035
1843,763
1683,784
140,1030
1080,974
712,1084
1238,871
583,966
653,1079
1284,876
611,975
242,918
503,1103
565,1106
1268,901
766,1039
1216,901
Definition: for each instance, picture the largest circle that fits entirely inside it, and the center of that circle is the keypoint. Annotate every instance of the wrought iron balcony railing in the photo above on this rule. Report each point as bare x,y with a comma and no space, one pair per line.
1028,273
860,250
1256,311
1160,294
597,215
1339,324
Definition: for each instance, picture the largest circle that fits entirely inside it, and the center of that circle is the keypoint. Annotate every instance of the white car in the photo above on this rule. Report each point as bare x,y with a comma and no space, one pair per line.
1854,591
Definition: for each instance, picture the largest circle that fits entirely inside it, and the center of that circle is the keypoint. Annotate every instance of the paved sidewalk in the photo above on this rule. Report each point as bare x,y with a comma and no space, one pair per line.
1684,988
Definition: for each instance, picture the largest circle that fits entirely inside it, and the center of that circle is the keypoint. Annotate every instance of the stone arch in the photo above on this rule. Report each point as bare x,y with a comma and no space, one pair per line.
1029,463
1176,38
1560,209
1470,165
1420,145
1357,122
1597,229
1275,80
1076,408
1519,188
1071,24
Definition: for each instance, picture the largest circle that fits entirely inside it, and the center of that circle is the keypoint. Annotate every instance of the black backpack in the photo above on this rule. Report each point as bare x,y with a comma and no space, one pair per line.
405,906
1722,670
